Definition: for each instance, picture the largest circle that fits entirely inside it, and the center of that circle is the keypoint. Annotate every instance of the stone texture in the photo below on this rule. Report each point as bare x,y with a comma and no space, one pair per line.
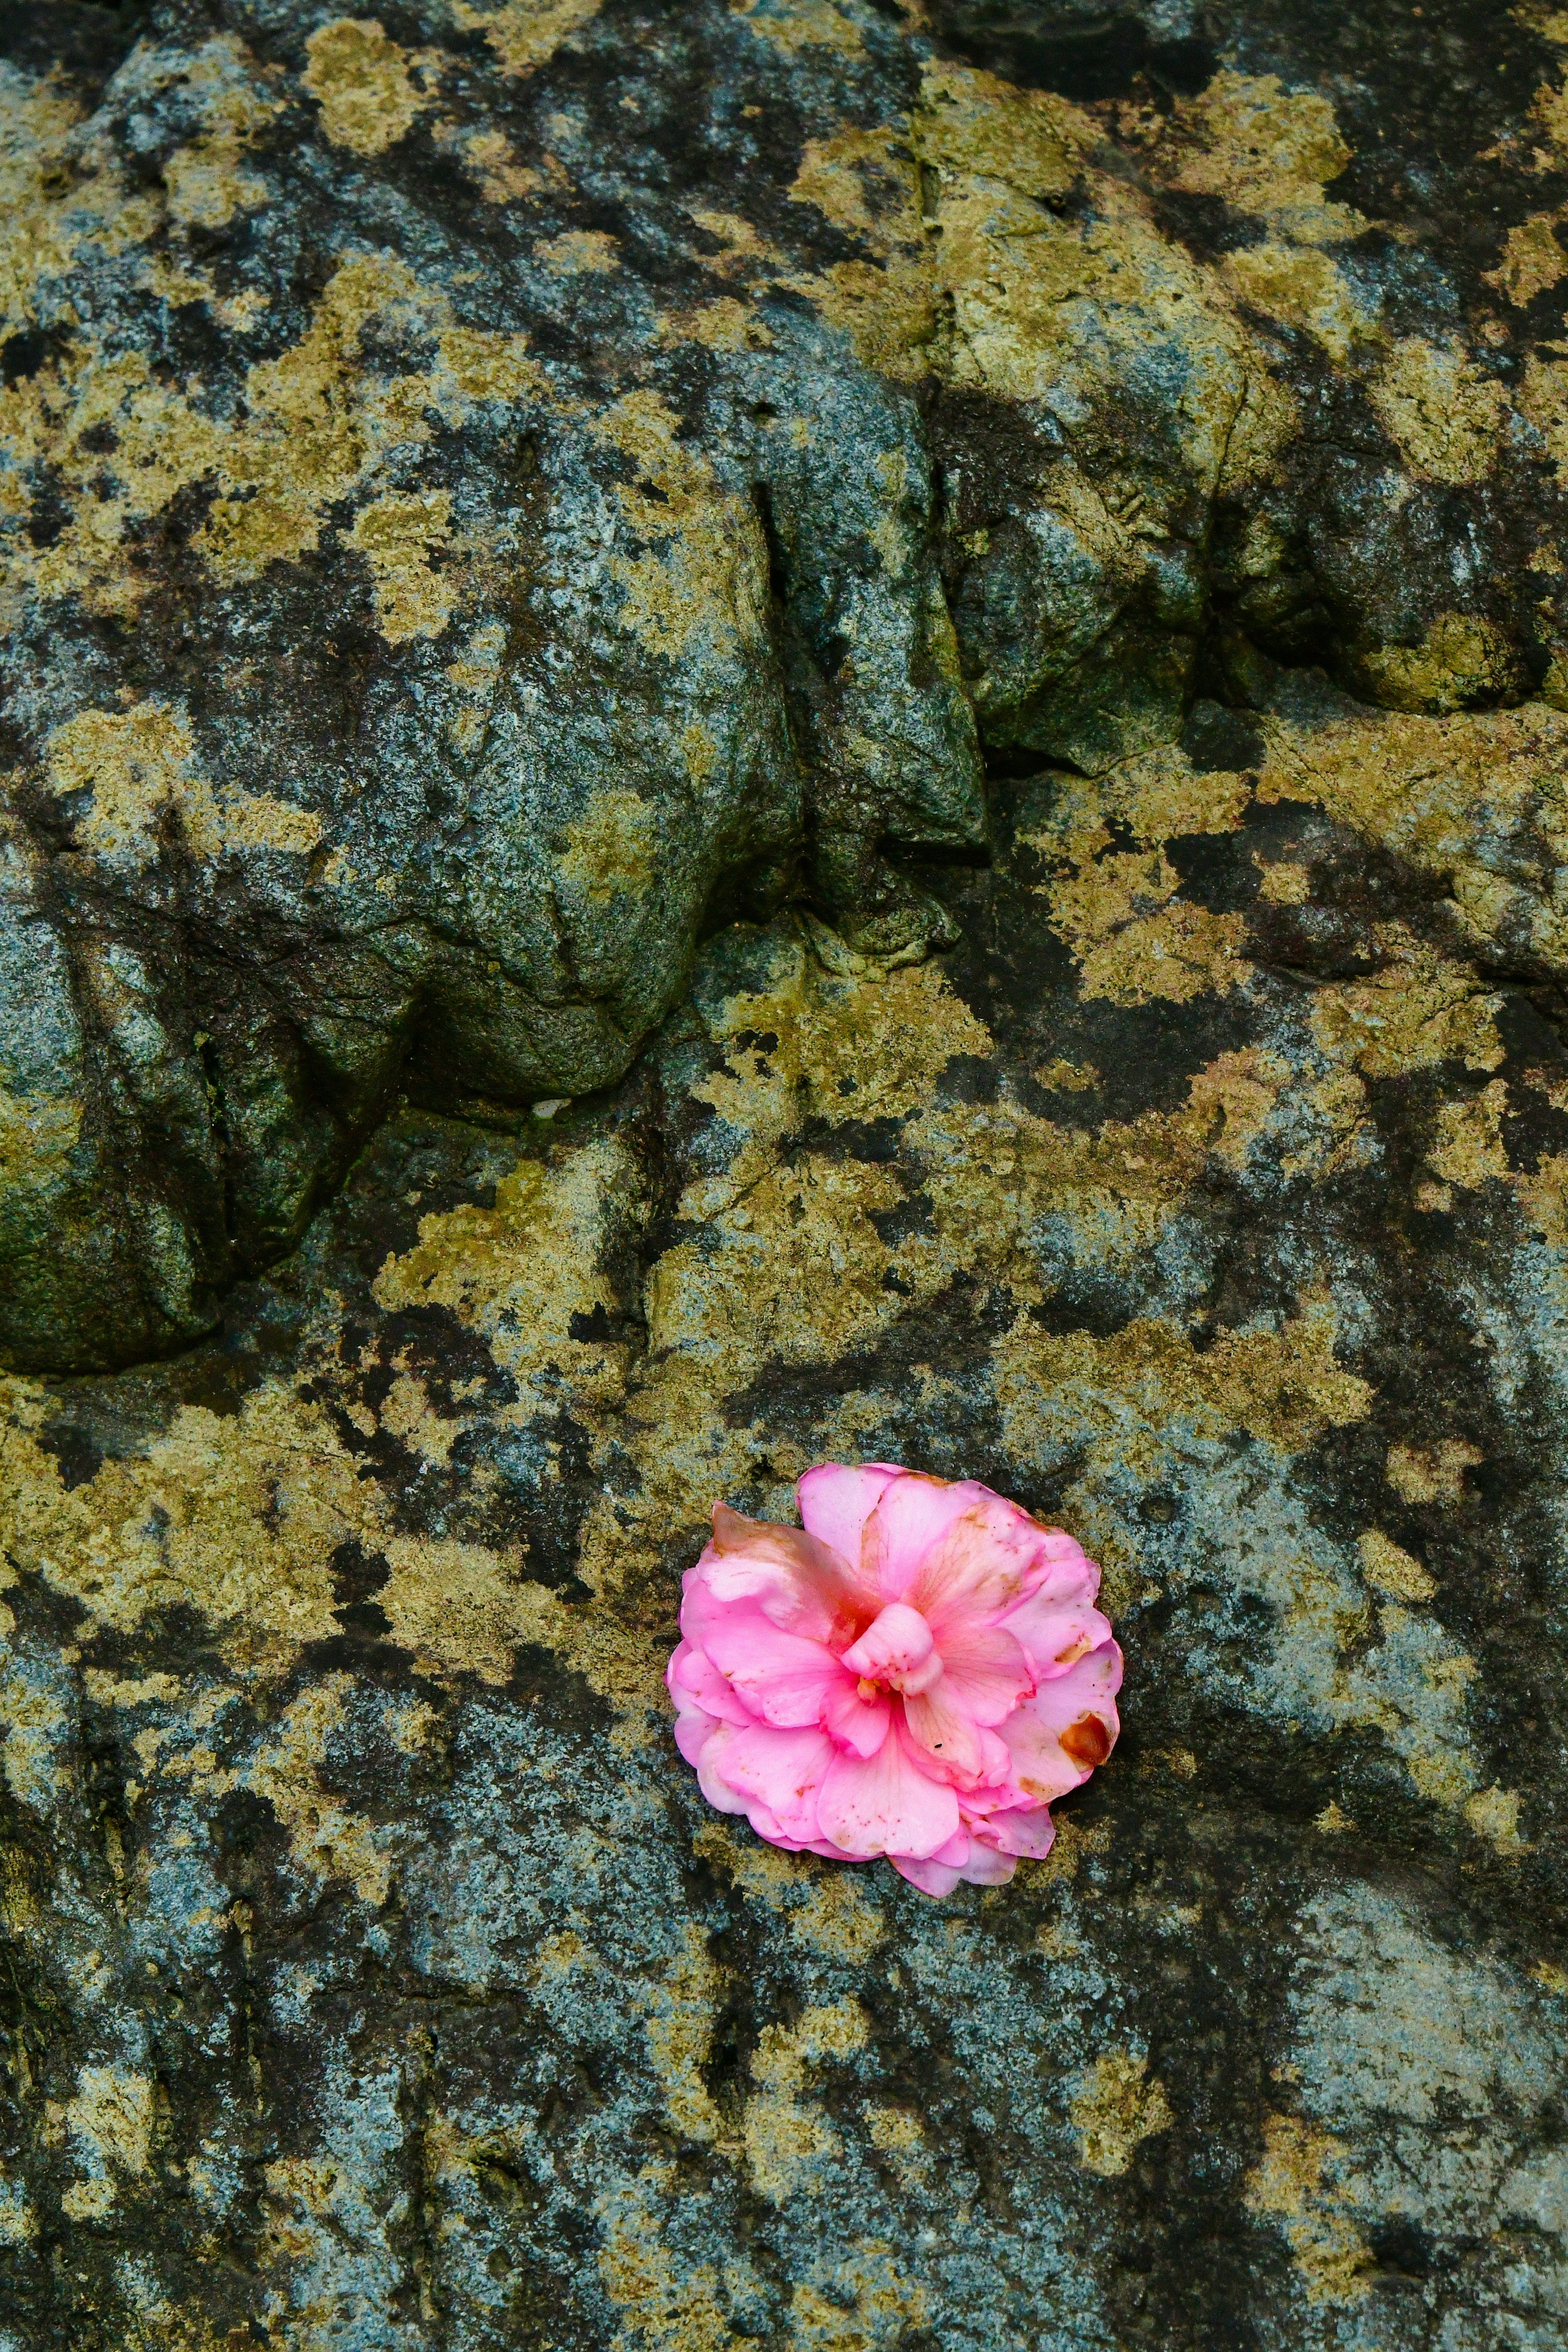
521,1015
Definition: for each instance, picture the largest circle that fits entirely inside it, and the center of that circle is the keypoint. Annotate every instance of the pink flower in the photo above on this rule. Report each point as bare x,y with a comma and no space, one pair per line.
916,1672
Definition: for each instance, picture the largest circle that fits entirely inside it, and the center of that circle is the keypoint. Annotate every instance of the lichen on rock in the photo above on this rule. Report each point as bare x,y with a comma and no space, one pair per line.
741,736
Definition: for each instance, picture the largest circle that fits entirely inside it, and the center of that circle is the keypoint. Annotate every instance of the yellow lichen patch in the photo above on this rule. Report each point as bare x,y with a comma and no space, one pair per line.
489,158
740,247
359,78
683,2011
1446,413
1038,298
795,25
462,1609
1468,1145
871,1048
664,2308
810,1299
407,1412
894,2129
60,418
1533,260
611,851
398,534
828,1909
525,34
1468,1151
1542,400
318,421
1479,799
1418,1010
1157,795
39,1134
1463,658
866,181
787,2136
1394,1569
522,1273
875,1049
235,1516
1302,288
723,325
889,310
1137,1397
1432,1474
1282,883
1268,151
53,204
110,2118
1117,2106
1068,1077
1001,290
1133,935
310,439
1493,1813
1295,2182
206,180
865,2301
1132,943
704,580
138,766
1543,1197
1551,112
974,122
579,252
324,1837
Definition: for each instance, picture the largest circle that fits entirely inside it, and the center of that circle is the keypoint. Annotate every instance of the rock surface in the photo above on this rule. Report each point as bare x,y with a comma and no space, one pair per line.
738,734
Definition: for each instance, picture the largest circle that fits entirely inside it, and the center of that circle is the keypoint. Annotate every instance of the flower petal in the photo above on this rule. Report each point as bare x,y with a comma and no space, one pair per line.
860,1725
895,1649
712,1760
989,1556
1057,1737
836,1501
1026,1830
913,1513
986,1867
693,1727
945,1733
802,1584
781,1770
692,1676
962,1860
780,1676
986,1671
885,1804
1070,1574
1055,1634
938,1878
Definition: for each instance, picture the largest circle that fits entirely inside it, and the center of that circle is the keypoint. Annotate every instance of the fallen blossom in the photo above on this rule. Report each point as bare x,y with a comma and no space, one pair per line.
917,1672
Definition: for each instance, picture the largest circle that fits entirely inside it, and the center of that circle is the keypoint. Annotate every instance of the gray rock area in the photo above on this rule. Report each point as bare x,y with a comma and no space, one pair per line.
736,732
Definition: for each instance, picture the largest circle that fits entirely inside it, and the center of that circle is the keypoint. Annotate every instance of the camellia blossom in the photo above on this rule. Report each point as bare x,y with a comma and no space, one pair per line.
917,1672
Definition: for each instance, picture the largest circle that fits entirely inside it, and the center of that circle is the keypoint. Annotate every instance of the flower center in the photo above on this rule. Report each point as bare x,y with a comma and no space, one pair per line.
896,1653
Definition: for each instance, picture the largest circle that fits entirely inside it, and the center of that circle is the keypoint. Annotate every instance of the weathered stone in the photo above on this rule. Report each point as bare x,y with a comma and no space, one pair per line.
524,520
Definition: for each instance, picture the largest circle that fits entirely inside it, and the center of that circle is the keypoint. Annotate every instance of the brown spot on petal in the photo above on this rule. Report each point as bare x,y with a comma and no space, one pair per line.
1075,1651
1086,1741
